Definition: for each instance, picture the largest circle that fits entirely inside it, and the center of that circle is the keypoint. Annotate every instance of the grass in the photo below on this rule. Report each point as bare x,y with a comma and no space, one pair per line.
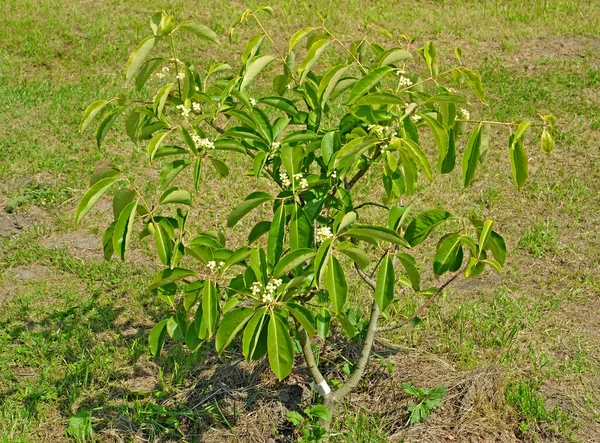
73,329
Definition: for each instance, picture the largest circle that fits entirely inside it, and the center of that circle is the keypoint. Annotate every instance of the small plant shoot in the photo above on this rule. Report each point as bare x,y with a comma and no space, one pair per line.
384,113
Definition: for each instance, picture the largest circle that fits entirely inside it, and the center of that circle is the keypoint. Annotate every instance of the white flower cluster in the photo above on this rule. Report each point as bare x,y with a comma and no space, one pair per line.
285,180
334,174
274,150
163,72
196,107
202,142
324,233
404,82
180,76
301,181
383,131
465,114
415,118
267,295
212,265
253,101
185,111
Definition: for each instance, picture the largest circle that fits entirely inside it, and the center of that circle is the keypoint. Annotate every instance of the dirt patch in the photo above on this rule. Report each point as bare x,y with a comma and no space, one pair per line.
31,272
80,244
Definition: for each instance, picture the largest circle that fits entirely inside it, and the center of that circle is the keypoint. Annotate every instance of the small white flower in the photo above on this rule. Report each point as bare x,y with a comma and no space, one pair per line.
323,233
334,174
196,107
221,264
212,265
160,75
256,288
253,102
285,180
452,90
370,127
400,72
185,112
180,76
267,298
297,176
303,183
465,114
415,118
384,147
202,142
278,282
404,82
165,69
288,86
275,146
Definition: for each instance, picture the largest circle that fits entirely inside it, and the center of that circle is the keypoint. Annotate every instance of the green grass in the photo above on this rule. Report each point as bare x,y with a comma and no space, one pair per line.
74,332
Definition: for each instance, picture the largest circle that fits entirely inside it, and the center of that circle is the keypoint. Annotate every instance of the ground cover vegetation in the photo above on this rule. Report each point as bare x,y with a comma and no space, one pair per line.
518,348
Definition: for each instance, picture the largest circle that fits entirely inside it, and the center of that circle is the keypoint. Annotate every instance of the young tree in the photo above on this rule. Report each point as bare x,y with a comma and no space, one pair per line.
314,138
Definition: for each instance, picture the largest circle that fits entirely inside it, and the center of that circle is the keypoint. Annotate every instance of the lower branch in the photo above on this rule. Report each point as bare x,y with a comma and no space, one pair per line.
423,306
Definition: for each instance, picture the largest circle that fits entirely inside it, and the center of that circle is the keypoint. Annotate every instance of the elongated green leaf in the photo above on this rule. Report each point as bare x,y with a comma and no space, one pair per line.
371,234
176,196
518,161
547,142
384,291
210,307
263,123
394,56
299,35
474,81
299,137
416,153
233,322
156,143
320,260
252,201
335,282
254,341
146,71
330,80
354,253
92,195
313,54
323,320
484,235
107,123
368,82
276,234
281,103
410,266
200,30
219,166
300,229
381,98
161,98
440,136
471,157
170,171
167,276
90,112
259,230
280,348
291,260
354,148
254,68
445,255
123,228
302,316
422,225
237,257
163,241
138,55
156,338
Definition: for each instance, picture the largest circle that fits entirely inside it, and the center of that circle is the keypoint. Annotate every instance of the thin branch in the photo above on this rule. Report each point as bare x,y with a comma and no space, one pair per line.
379,205
215,127
368,280
363,170
309,357
424,305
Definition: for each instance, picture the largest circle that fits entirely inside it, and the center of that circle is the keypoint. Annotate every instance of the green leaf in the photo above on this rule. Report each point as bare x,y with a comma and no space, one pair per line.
354,253
220,167
446,253
237,257
276,234
92,195
250,202
164,242
107,244
146,71
393,56
291,260
440,136
233,322
254,68
368,82
156,338
280,348
354,148
474,81
323,320
210,307
167,276
259,230
335,282
80,426
417,154
90,112
471,157
107,123
371,233
254,341
320,411
170,171
518,161
281,103
313,54
384,290
410,266
175,196
422,225
299,137
320,258
138,55
300,229
123,228
330,80
381,98
302,316
200,30
484,235
547,142
156,143
299,35
521,129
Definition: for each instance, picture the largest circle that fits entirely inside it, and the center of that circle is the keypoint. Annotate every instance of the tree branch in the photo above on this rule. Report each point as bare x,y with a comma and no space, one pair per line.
309,357
363,170
424,305
379,205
